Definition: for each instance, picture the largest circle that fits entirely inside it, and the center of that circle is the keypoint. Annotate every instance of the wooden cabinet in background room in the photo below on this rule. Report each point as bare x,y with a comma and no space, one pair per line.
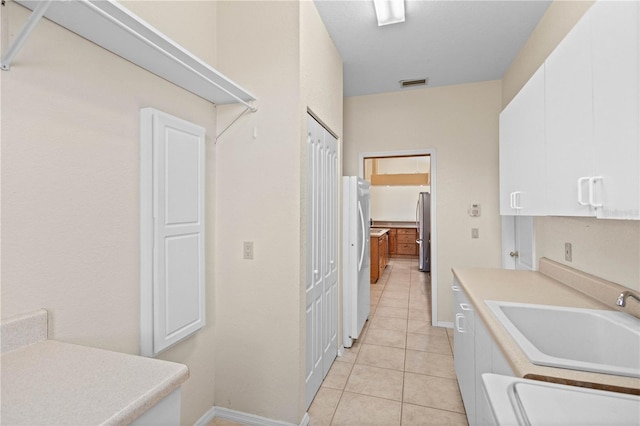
406,242
384,253
393,243
379,256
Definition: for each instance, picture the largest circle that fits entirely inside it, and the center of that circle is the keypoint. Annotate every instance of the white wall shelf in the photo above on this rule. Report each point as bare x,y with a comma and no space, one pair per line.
113,27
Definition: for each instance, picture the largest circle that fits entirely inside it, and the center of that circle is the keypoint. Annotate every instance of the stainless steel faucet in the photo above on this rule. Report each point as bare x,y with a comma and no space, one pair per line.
622,298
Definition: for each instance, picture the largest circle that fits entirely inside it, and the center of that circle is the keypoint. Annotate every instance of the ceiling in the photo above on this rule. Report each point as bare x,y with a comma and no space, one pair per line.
448,41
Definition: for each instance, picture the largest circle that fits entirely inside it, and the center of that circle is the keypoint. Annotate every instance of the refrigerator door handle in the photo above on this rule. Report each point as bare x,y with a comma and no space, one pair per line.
363,236
417,212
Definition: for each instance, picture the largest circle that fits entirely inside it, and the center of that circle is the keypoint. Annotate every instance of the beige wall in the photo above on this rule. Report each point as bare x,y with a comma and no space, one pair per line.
260,197
321,93
70,176
461,124
606,248
554,25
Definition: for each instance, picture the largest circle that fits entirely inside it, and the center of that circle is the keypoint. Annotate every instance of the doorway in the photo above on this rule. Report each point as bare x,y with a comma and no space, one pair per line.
431,154
518,243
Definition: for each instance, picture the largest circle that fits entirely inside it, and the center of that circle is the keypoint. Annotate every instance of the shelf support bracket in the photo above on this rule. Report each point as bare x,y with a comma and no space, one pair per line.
36,15
249,108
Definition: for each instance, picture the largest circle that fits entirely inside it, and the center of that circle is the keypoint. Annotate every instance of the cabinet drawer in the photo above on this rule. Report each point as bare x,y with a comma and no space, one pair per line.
406,239
406,231
406,249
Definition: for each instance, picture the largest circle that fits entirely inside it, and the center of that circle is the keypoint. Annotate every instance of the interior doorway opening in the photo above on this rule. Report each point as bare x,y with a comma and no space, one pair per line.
397,179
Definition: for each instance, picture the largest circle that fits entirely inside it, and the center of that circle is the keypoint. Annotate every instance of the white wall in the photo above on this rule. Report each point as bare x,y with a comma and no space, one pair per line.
606,248
461,124
70,176
395,203
281,52
401,165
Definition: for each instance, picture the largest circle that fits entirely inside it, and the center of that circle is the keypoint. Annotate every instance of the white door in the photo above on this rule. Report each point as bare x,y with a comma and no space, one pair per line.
330,270
363,250
321,283
518,243
172,230
314,281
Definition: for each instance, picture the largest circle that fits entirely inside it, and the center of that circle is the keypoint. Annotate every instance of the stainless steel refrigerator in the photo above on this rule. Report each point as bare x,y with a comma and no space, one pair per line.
423,223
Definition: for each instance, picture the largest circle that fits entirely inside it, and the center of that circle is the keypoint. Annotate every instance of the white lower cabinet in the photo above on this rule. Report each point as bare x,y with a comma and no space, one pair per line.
475,353
164,413
464,350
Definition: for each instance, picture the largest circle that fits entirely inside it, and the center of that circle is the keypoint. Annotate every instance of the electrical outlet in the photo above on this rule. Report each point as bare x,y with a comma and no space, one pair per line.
247,250
475,233
567,252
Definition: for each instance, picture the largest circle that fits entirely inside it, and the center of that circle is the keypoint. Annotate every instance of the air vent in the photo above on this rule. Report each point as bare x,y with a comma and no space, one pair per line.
416,82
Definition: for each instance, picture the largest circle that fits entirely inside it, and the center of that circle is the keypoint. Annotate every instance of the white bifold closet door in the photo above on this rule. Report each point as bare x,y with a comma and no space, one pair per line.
321,283
172,230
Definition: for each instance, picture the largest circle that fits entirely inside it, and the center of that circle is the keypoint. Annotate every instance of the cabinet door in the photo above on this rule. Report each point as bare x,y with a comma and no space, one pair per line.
172,222
569,123
616,98
483,364
393,241
464,350
522,151
375,259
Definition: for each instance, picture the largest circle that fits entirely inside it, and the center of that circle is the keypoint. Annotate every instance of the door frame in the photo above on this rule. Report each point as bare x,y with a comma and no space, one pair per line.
434,230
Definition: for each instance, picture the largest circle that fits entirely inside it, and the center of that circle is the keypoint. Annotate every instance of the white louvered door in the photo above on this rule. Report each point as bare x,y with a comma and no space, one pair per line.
330,335
321,283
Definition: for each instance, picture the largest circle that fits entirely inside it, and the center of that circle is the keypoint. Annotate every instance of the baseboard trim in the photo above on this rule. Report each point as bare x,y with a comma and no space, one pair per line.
445,324
244,418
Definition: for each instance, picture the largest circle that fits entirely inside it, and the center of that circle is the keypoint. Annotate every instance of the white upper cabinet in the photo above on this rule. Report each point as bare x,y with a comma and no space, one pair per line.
569,123
616,99
522,151
570,139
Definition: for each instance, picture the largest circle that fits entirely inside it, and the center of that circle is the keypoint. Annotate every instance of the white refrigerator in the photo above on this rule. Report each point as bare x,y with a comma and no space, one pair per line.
356,260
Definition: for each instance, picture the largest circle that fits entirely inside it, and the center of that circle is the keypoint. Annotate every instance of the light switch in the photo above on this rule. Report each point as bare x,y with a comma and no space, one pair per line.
475,233
474,210
247,250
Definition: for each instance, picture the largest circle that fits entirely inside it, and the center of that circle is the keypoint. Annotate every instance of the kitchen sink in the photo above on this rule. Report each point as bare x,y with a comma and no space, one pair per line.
517,401
579,339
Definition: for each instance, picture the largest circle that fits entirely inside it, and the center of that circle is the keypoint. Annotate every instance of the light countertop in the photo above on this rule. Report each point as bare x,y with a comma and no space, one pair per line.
51,382
534,287
384,224
378,232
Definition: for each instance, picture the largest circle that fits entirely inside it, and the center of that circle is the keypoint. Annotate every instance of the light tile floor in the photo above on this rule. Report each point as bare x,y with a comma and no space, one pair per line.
400,372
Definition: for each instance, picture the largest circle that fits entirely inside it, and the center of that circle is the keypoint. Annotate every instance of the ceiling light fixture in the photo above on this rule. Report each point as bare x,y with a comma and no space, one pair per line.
389,11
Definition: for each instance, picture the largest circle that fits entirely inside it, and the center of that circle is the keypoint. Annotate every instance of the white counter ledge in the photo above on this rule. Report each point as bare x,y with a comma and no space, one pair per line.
534,287
51,382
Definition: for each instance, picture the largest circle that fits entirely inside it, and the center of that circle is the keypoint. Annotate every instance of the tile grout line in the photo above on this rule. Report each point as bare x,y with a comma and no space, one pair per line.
406,332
